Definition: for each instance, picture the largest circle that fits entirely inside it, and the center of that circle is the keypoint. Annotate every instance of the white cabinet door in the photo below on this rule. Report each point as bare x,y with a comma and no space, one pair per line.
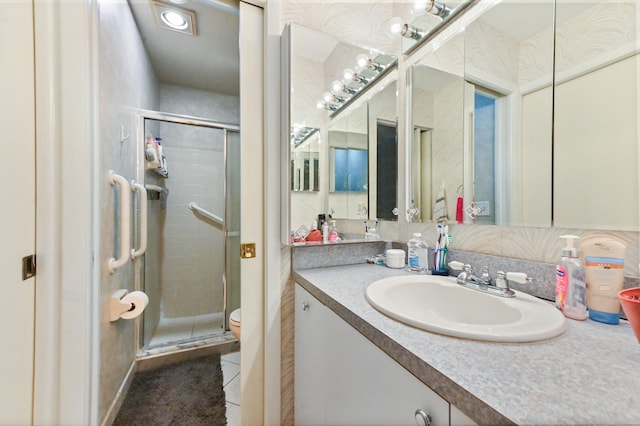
342,378
17,216
366,386
310,359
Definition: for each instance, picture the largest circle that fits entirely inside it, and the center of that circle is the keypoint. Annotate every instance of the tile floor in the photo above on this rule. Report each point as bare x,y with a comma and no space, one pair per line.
231,380
172,330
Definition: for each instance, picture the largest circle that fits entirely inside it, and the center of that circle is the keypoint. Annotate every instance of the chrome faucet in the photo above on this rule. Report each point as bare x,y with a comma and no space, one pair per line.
484,283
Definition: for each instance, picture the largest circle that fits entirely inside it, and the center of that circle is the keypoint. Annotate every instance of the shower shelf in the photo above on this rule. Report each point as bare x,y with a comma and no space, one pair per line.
162,171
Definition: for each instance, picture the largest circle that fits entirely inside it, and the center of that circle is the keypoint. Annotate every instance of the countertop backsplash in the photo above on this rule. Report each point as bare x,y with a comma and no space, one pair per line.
543,274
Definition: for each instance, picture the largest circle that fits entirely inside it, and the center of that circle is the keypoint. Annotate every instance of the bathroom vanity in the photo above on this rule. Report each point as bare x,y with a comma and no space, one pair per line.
354,365
343,378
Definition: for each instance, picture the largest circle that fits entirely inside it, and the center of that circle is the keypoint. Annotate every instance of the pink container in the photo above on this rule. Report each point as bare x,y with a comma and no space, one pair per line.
630,301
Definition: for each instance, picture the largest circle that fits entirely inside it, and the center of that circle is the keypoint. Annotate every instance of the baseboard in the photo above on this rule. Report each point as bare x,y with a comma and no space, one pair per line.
117,401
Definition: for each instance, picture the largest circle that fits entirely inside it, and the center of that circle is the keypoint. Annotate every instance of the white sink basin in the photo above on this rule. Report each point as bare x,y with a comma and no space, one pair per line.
440,305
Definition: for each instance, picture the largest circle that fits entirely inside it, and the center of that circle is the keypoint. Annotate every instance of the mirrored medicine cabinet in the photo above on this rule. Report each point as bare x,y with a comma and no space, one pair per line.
519,113
535,142
343,143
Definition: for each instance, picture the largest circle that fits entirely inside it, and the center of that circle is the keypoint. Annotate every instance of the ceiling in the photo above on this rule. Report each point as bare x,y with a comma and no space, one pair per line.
207,61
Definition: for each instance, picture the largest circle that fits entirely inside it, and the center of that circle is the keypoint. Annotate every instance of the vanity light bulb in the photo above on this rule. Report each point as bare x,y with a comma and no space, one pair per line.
348,74
337,87
395,25
362,61
328,97
321,105
420,6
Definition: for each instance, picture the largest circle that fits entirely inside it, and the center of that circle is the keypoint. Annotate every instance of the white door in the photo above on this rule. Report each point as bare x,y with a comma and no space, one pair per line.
17,215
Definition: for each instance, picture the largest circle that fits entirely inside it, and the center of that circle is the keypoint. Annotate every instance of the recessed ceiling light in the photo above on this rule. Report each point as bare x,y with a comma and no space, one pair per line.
174,18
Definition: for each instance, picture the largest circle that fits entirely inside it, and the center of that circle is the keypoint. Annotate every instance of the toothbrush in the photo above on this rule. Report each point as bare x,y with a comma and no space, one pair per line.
445,248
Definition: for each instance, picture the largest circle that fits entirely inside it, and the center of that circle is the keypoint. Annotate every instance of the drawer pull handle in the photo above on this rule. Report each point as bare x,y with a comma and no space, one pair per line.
305,306
422,418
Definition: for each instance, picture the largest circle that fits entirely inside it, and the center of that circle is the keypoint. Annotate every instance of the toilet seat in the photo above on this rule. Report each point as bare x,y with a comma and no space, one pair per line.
234,322
234,316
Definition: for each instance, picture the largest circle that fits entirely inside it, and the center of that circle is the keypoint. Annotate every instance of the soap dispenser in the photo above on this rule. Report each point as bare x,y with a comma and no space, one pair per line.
571,290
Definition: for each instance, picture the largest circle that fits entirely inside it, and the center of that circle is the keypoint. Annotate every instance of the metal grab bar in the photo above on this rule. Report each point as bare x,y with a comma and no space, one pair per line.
125,225
194,207
136,187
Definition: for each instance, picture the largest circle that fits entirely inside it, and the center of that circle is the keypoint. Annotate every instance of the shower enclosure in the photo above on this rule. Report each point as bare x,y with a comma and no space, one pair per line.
191,170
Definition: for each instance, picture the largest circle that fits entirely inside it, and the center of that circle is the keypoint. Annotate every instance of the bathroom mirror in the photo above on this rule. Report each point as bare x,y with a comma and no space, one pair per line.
596,102
436,148
499,130
509,102
543,137
383,149
536,137
349,165
305,159
320,97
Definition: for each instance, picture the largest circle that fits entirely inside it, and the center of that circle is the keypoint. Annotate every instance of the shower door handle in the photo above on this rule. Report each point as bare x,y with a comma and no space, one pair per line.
136,187
125,225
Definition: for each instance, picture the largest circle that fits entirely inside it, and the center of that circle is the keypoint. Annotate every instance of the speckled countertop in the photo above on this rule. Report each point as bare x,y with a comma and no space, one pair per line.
588,375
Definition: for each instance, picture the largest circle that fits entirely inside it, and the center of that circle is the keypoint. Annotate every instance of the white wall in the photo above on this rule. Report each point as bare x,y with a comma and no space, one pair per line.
127,82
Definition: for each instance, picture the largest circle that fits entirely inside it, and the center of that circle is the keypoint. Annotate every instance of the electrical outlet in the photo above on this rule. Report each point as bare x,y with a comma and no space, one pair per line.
485,206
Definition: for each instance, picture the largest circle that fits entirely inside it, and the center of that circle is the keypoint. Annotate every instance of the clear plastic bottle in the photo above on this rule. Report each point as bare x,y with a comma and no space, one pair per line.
571,290
417,253
333,232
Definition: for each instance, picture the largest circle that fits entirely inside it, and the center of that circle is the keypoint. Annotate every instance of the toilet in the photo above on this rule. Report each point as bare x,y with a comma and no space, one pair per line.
234,323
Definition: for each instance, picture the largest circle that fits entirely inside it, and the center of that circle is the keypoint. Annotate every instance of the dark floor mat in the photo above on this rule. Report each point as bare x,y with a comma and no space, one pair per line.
188,393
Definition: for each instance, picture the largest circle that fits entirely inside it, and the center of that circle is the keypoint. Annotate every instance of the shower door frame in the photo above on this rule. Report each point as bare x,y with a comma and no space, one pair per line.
142,115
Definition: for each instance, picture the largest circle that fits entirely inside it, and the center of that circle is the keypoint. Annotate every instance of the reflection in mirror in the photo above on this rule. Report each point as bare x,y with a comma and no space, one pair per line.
509,102
596,115
423,17
435,166
309,50
349,165
383,146
344,182
305,160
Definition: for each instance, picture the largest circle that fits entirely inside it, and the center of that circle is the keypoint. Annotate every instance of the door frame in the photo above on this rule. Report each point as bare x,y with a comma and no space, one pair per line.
66,381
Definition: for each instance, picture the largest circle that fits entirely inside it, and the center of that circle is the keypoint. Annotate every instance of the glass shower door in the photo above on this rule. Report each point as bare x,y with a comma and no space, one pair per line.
185,263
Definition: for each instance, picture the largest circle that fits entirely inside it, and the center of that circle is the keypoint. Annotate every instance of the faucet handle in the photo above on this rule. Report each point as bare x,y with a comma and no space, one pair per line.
518,277
455,265
503,278
485,273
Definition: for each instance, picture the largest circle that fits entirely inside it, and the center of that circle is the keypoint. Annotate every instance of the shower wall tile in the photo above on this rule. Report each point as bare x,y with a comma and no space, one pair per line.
193,249
192,263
